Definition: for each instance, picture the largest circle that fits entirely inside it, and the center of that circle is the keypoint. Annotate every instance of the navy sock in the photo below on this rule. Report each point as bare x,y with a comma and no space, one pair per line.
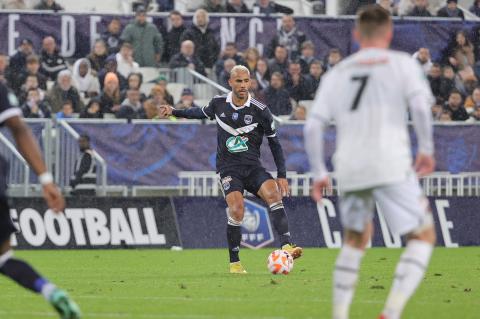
280,222
23,274
234,237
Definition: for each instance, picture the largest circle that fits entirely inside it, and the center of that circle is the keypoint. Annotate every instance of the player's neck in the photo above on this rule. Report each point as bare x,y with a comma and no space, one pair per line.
239,101
374,44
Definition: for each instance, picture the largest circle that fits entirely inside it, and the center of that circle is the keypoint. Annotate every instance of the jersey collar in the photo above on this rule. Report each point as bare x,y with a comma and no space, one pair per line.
236,108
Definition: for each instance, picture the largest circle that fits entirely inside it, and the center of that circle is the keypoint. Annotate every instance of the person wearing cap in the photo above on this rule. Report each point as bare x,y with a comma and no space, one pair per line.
186,100
451,10
125,62
288,36
19,59
63,91
51,62
206,45
145,38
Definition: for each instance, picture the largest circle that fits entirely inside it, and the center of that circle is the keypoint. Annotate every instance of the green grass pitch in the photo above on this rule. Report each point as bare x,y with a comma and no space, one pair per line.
195,284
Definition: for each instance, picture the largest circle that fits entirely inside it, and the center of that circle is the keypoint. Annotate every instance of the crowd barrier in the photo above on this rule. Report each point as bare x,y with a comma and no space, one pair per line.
200,222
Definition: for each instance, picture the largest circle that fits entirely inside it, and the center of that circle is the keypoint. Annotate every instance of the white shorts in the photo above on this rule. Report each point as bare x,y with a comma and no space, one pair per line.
403,205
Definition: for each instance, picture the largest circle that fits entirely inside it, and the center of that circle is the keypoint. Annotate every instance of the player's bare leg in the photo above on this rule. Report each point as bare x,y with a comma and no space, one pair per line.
272,196
345,275
234,232
410,271
26,276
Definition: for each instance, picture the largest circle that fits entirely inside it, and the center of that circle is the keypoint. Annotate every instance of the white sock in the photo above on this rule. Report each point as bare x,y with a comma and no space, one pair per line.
47,290
345,278
408,275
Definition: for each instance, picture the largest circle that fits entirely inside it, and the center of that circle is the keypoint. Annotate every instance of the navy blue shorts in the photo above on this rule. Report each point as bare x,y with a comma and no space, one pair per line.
240,178
6,225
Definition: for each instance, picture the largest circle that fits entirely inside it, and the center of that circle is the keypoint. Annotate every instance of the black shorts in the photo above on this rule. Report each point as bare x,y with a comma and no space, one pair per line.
240,178
6,225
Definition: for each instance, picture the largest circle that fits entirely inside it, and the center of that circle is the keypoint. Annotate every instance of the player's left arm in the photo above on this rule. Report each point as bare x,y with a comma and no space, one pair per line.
277,152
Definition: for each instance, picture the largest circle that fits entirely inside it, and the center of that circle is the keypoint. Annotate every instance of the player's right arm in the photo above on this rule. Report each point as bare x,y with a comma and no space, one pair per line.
420,99
318,120
199,113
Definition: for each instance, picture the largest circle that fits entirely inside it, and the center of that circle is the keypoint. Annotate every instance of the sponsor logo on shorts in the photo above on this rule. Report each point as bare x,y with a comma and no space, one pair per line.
226,182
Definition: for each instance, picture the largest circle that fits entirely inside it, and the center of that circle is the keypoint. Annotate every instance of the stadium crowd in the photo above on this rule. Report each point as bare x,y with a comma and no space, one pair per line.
108,81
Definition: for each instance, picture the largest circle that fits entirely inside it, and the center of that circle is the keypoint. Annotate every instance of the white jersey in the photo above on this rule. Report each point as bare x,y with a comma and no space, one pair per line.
367,96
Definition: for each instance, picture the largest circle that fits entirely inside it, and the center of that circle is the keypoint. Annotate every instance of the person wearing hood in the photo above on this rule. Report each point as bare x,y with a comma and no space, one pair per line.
145,38
288,36
206,45
86,84
51,62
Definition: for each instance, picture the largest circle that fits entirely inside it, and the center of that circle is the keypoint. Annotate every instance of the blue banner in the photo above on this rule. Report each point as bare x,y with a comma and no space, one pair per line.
74,32
202,222
153,154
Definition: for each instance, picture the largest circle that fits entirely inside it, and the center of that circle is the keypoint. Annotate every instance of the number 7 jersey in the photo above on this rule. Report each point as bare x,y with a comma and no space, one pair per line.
367,97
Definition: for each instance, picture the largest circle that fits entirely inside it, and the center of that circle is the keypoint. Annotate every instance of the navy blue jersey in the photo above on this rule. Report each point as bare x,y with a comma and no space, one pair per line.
240,131
8,104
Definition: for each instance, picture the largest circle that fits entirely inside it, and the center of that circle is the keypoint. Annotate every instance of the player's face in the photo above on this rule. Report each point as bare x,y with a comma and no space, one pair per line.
240,83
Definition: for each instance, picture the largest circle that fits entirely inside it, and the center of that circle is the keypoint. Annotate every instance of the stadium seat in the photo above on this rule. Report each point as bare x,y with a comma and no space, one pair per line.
149,73
175,89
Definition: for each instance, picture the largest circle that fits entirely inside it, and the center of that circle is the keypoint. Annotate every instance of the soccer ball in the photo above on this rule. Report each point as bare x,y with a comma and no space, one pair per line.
280,262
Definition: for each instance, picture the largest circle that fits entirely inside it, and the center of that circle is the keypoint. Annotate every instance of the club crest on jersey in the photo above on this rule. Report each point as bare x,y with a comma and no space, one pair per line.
235,116
226,182
248,119
237,144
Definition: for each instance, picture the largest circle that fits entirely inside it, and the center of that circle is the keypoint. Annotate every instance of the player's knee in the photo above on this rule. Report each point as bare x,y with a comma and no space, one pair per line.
236,211
427,235
272,196
356,239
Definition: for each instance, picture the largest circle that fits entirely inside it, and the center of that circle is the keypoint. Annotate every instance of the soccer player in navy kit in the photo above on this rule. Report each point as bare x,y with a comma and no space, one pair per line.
18,270
242,122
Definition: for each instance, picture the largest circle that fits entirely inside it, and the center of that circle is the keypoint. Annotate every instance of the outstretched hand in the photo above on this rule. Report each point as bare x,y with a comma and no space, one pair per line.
165,110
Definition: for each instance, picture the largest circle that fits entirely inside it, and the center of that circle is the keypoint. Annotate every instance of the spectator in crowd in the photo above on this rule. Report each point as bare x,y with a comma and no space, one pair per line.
125,62
145,38
475,115
186,100
66,110
151,110
134,81
14,5
49,5
92,110
4,70
313,78
262,74
206,46
437,110
98,56
84,179
269,7
236,6
111,37
31,82
451,10
86,84
447,83
131,108
277,96
307,56
111,66
187,59
299,113
475,8
455,106
32,68
18,61
473,100
387,5
460,52
333,58
289,37
110,98
251,56
35,106
445,116
296,84
158,95
51,62
435,79
230,52
224,76
214,6
62,91
420,9
165,5
255,90
279,63
423,57
162,81
172,39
